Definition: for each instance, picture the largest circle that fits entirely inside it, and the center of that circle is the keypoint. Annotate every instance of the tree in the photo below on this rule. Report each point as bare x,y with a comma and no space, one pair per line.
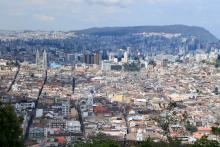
100,140
174,142
217,63
13,63
148,143
172,105
171,143
185,116
32,75
204,142
10,127
216,131
216,91
191,128
152,62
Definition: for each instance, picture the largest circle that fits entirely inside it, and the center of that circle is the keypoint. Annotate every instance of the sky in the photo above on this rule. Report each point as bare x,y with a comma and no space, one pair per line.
67,15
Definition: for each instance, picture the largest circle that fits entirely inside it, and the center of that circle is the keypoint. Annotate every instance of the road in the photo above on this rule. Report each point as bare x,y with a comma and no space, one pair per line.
80,119
15,77
125,114
77,106
33,112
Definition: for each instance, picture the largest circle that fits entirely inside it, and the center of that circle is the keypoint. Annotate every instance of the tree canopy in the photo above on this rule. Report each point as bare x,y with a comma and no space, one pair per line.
10,127
217,64
216,131
150,143
204,142
100,140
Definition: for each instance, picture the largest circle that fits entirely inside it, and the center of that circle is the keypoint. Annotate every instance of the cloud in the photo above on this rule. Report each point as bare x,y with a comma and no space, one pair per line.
159,1
58,3
121,3
15,12
37,2
51,2
44,18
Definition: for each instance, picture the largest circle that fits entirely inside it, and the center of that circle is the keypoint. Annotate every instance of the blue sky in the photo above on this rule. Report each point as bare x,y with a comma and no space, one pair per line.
80,14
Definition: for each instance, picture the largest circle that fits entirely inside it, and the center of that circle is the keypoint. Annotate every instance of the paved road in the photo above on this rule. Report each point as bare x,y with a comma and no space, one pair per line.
33,113
80,119
125,114
15,77
77,106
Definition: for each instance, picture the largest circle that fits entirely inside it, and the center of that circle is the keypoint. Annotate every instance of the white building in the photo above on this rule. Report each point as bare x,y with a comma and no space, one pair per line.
139,135
213,56
39,113
73,126
125,59
24,105
106,65
65,108
15,87
201,56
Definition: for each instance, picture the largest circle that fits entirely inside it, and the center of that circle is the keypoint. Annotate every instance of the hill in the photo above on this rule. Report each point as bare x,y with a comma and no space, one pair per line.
184,30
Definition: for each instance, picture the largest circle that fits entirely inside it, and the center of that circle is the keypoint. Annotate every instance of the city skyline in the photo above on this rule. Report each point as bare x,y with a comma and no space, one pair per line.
145,73
80,14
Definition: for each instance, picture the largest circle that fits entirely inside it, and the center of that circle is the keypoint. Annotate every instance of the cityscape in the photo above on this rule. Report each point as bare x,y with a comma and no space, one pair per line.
136,86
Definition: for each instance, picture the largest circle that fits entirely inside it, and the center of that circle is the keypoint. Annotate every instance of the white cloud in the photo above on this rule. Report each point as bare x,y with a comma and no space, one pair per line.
37,2
58,3
44,18
15,12
159,1
120,3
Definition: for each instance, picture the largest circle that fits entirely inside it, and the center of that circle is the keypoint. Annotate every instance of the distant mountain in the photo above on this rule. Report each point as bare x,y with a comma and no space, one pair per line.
184,30
170,39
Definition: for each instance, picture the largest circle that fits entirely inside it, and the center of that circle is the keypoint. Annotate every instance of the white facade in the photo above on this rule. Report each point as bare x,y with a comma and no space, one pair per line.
116,60
125,59
201,56
25,105
39,113
111,57
213,56
73,126
65,108
106,66
15,87
139,135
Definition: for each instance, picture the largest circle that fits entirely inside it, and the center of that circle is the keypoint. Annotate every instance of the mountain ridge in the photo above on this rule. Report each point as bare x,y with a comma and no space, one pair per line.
185,30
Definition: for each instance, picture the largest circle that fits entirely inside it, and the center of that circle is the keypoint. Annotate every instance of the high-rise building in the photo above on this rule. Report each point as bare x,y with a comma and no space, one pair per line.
111,56
92,58
71,57
126,57
129,50
97,58
104,55
85,58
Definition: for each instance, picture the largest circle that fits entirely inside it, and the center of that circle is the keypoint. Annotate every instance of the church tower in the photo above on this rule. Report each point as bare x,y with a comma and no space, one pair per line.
45,60
38,59
41,62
